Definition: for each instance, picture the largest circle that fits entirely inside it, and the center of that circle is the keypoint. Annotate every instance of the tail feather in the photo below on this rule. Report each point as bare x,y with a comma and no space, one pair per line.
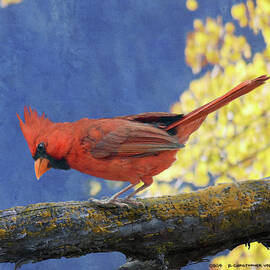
190,122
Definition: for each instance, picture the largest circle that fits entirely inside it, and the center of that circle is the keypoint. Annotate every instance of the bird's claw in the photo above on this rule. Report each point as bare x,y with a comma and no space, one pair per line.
134,202
117,202
108,202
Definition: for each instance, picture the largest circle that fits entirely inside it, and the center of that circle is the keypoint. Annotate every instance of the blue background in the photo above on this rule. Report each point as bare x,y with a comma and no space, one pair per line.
87,58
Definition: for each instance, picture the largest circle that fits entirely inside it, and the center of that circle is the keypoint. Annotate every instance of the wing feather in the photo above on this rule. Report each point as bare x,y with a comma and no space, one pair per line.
128,138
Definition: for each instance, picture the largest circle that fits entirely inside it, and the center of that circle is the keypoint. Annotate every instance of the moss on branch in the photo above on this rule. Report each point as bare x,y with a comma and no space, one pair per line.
173,229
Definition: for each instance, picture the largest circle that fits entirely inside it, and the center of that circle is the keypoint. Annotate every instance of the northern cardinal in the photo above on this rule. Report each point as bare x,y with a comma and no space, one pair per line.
130,148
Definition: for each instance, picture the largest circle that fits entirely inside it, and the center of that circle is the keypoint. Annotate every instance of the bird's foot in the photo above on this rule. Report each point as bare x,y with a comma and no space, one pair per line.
107,202
134,202
126,202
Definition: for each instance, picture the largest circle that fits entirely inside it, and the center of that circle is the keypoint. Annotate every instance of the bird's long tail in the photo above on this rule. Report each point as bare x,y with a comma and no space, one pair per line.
192,121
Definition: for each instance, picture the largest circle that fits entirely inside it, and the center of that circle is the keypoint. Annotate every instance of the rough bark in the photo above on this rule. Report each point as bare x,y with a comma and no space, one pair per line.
168,232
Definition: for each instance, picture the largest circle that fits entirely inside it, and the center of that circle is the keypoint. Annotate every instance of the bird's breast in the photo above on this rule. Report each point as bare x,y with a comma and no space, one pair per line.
131,169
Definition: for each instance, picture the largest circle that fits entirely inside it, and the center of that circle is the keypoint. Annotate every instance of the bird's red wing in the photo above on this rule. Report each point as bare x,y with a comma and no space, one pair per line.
133,139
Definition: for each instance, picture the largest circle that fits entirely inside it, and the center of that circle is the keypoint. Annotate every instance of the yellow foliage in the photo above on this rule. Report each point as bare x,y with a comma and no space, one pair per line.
257,17
214,44
5,3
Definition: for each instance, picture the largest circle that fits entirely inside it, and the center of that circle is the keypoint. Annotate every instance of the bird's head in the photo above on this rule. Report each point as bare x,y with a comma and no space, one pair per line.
48,142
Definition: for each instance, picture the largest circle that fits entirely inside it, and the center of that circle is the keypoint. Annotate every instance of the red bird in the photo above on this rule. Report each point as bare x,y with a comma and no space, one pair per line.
130,148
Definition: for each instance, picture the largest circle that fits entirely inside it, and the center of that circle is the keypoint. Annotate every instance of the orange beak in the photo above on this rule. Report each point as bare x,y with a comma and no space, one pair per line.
41,166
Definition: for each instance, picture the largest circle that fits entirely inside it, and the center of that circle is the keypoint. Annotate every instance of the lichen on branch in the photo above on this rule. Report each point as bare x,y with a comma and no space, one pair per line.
193,225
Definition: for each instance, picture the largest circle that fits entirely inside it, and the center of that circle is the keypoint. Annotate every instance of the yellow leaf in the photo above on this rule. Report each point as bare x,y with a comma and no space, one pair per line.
95,188
5,3
243,22
266,36
229,28
212,57
191,5
264,5
239,11
198,25
251,8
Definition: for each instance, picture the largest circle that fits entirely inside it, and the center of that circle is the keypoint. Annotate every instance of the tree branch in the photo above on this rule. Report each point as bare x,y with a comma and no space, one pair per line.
170,231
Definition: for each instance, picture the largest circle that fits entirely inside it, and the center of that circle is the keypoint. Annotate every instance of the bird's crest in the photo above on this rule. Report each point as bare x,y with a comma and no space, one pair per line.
33,127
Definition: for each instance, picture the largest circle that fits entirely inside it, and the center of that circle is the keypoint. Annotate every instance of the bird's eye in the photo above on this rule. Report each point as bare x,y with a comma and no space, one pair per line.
41,147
